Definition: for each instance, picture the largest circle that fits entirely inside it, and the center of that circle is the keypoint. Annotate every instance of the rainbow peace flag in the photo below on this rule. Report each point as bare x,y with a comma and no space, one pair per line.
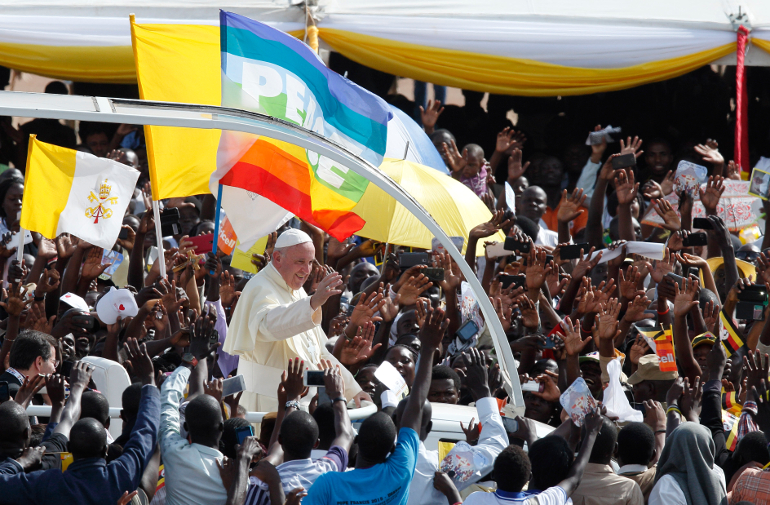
267,71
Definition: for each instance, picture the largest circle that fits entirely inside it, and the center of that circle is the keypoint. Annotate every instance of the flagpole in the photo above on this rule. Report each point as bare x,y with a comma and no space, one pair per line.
216,222
159,238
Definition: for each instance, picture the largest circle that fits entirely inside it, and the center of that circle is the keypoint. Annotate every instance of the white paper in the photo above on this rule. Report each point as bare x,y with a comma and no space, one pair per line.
650,250
510,198
389,376
595,138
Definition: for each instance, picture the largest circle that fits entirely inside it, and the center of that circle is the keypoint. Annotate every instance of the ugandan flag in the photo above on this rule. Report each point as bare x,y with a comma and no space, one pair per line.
729,334
730,403
730,427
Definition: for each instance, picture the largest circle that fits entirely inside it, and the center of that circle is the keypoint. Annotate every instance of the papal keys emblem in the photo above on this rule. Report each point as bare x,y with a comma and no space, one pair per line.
101,210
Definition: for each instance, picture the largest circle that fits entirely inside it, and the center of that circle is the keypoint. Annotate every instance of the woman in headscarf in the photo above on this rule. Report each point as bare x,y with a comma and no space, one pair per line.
686,472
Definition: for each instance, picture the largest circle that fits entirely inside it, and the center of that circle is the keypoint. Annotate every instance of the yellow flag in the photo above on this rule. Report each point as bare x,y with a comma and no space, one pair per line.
179,63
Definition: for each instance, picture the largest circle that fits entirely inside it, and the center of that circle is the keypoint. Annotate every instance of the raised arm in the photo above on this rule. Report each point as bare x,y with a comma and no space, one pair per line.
335,388
431,335
79,379
683,302
593,423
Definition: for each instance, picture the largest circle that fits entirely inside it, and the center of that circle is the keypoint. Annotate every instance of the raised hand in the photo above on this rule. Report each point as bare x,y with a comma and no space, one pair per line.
631,146
629,282
503,313
684,300
638,350
413,288
327,288
515,167
141,361
664,266
573,342
709,197
508,140
432,332
606,321
670,218
570,205
291,386
49,281
537,269
334,383
476,374
690,405
529,316
227,293
430,116
364,311
472,432
667,186
29,388
635,310
15,302
213,388
454,159
128,242
732,171
66,245
46,249
586,263
80,376
497,223
710,152
93,268
360,347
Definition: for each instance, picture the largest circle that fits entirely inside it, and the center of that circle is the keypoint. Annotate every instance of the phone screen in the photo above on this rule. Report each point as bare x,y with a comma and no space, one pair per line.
314,378
467,331
243,432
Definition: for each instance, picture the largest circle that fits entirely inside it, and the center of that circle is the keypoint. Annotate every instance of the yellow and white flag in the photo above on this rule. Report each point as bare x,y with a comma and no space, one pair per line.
67,191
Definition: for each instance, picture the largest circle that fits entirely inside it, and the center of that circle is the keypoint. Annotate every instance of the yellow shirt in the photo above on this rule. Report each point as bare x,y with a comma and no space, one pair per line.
272,324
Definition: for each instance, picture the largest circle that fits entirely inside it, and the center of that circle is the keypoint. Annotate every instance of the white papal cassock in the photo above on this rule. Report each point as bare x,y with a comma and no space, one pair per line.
273,323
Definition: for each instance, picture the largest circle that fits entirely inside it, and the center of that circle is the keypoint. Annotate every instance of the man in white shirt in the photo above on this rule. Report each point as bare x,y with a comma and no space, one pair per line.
191,471
492,440
276,321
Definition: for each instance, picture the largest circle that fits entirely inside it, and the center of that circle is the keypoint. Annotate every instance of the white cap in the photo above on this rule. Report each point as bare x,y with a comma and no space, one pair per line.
75,301
291,237
116,303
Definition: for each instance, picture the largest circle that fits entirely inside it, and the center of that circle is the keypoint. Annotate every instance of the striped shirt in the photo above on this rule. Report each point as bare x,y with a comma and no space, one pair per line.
298,473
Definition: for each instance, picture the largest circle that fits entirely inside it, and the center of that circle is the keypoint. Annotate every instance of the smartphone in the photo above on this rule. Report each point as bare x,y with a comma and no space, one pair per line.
408,260
203,243
572,252
510,425
123,235
752,302
214,338
243,432
88,322
694,239
676,279
467,331
511,244
433,274
624,161
233,385
5,393
533,386
517,280
169,222
702,223
313,378
549,343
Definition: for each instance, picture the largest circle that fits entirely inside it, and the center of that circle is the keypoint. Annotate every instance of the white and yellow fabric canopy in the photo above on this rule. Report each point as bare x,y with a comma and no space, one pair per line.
544,48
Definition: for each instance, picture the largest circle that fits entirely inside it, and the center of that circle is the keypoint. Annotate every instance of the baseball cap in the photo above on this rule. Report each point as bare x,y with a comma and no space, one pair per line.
649,370
117,302
704,338
75,301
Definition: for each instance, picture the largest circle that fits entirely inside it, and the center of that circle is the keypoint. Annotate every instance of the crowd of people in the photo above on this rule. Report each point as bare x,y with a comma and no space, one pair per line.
684,428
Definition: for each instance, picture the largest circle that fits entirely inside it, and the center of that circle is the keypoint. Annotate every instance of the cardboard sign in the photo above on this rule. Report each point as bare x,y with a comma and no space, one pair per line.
242,259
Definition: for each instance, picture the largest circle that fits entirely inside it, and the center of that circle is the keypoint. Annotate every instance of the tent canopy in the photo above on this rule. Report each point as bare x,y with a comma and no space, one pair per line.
545,48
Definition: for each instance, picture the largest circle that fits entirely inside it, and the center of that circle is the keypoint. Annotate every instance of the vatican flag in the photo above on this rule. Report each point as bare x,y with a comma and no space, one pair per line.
68,191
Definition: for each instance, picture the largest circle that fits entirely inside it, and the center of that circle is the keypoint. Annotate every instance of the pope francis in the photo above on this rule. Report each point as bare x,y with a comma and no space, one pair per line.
275,321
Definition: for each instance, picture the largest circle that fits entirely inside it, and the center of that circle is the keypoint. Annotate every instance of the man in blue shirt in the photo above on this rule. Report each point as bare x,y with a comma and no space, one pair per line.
379,479
89,479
